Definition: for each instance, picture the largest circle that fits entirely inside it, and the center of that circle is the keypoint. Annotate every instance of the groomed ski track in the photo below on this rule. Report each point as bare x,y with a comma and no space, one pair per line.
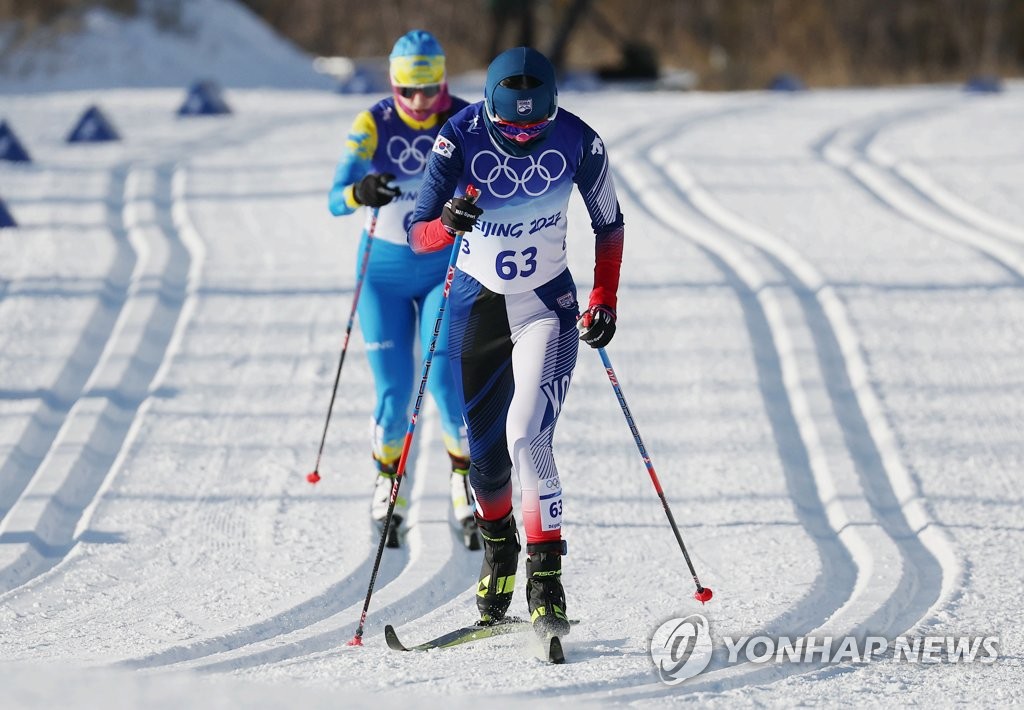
152,466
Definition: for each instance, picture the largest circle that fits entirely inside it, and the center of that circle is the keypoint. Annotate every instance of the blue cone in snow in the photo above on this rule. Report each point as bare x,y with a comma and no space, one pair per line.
10,147
204,99
6,219
984,84
92,127
786,82
364,81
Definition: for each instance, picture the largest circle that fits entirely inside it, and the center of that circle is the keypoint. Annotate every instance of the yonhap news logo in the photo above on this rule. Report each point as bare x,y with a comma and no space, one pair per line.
681,648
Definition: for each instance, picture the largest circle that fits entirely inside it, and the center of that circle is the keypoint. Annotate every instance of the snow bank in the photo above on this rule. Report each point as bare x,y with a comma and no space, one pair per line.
214,39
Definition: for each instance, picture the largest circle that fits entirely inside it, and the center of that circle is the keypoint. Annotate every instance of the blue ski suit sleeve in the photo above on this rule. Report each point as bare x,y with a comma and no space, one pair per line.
441,176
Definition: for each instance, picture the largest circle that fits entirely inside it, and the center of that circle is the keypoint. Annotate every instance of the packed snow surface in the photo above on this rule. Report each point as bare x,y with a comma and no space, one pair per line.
820,325
821,322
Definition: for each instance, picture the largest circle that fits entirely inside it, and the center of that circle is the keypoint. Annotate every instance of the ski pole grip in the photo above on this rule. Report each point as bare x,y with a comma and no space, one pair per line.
471,194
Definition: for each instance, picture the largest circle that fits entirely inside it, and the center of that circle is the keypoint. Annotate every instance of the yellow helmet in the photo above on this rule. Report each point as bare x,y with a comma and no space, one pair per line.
417,60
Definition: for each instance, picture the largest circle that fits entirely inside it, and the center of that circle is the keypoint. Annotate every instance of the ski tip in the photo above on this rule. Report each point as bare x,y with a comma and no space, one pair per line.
391,638
555,653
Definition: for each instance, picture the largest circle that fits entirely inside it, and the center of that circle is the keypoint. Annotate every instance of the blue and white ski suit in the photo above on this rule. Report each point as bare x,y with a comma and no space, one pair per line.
513,302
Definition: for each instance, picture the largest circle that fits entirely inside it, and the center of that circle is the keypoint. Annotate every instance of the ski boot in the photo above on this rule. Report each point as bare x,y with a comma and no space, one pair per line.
382,499
544,593
463,504
498,571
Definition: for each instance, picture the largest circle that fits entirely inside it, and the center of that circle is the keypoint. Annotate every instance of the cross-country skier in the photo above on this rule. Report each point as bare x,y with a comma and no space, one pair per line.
513,311
382,168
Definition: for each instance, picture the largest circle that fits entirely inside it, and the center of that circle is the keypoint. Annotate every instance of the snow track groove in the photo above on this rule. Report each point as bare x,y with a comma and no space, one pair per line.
435,570
337,598
147,223
44,523
798,441
909,191
865,491
829,507
896,578
344,595
55,403
931,570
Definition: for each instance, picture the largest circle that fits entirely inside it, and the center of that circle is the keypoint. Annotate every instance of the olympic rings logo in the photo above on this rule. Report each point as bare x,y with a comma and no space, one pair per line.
410,158
505,175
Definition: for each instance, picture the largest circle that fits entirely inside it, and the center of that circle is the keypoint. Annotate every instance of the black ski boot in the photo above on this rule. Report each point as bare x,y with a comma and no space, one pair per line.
544,592
498,571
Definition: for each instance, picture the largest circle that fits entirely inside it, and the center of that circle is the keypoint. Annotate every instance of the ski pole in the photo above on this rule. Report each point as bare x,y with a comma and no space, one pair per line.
471,194
314,475
703,594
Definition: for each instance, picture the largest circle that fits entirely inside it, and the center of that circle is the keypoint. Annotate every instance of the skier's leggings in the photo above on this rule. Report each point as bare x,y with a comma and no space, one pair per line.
399,303
512,357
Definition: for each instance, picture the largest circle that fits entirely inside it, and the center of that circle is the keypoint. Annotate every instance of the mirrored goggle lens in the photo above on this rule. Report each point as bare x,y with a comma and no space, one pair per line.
521,132
428,90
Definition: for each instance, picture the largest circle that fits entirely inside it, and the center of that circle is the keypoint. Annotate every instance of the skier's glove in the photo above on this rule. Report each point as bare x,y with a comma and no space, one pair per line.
597,326
374,191
460,215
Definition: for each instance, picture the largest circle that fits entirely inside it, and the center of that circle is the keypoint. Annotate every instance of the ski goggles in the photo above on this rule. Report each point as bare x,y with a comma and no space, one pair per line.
521,132
428,90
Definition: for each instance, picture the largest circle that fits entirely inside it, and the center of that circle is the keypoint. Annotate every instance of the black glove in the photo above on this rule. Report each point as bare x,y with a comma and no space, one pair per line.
374,191
597,326
460,215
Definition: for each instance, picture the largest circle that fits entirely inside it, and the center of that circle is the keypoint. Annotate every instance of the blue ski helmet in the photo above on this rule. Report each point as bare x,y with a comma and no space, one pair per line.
520,89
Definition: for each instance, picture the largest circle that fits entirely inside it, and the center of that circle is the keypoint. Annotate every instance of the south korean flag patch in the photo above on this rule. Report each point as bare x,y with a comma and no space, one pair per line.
443,147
